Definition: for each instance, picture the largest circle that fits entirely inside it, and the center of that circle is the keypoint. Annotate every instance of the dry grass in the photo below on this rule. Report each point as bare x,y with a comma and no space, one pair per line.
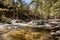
29,35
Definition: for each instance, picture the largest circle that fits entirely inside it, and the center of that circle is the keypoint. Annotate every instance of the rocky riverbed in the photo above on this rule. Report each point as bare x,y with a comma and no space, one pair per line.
48,31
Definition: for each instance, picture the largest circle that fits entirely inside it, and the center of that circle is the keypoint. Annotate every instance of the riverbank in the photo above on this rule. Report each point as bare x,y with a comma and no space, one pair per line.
50,29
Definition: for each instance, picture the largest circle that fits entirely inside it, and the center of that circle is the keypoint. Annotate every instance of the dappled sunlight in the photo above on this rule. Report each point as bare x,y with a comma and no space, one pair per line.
29,19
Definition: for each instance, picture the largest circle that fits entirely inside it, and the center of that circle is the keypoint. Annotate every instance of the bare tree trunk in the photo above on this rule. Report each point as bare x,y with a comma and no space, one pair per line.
37,4
21,8
13,9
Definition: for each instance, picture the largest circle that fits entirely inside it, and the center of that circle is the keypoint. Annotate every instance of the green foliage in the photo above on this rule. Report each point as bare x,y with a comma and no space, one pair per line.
43,8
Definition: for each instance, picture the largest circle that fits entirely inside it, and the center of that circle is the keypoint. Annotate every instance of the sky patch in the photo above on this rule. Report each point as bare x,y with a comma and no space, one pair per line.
27,1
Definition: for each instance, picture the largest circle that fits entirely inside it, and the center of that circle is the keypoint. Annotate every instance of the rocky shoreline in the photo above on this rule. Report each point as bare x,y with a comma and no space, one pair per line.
51,28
